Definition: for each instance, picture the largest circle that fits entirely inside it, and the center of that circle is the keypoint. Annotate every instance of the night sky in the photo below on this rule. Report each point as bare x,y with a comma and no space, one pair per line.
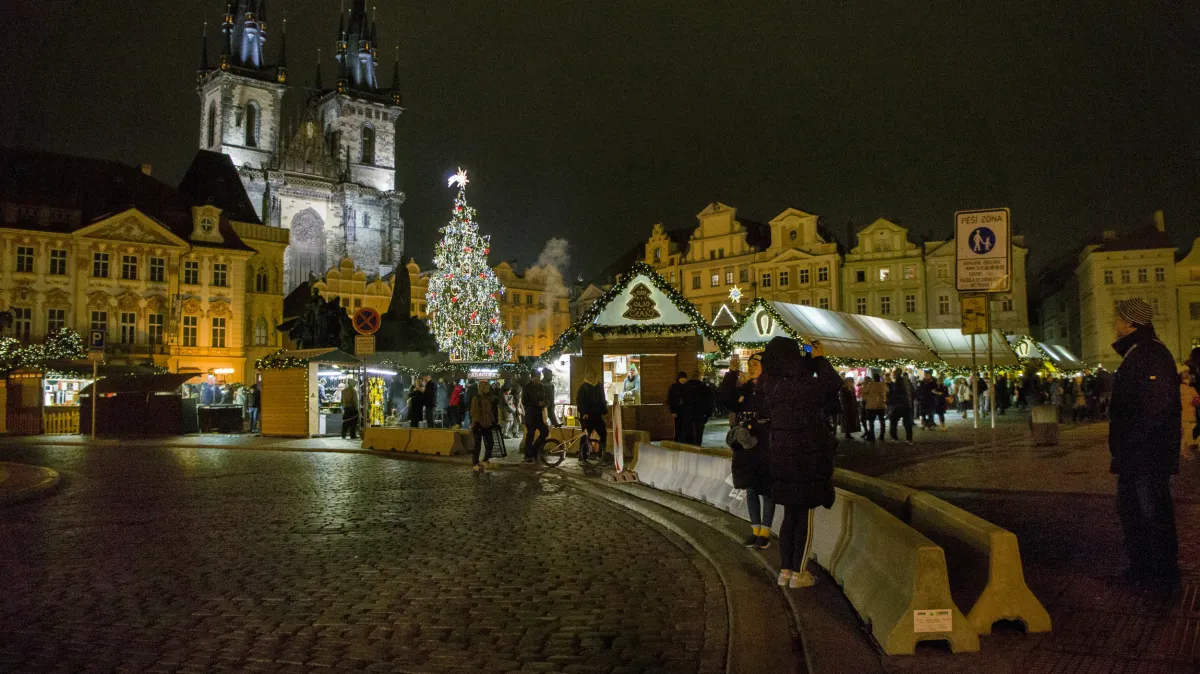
594,120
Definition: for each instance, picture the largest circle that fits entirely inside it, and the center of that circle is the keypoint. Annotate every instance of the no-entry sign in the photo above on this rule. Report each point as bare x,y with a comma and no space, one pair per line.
983,251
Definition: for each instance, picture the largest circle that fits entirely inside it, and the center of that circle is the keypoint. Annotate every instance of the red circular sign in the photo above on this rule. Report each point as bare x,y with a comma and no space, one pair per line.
366,321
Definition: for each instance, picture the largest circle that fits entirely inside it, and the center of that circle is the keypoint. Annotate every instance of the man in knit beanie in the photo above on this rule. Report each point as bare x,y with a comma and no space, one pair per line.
1144,433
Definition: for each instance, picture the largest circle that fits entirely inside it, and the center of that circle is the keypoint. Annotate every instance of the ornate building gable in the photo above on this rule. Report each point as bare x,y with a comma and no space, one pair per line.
884,236
132,226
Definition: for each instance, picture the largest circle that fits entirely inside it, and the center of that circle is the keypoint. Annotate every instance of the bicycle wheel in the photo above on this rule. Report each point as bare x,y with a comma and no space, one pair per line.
553,452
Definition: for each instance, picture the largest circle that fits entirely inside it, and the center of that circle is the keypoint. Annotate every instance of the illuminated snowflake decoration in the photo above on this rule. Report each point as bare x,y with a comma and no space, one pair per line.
735,294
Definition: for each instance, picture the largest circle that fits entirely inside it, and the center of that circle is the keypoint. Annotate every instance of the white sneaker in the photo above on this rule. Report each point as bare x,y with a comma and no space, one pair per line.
802,579
784,576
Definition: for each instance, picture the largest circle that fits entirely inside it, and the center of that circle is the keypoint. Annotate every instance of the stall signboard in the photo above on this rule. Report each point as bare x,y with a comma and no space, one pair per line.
364,345
366,321
983,251
974,314
483,373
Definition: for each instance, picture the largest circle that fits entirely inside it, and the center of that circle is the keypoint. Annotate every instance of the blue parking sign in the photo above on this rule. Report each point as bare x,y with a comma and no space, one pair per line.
96,339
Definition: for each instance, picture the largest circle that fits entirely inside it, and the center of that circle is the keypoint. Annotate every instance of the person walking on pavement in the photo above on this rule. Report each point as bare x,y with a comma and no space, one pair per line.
533,399
350,410
430,399
697,403
874,395
483,423
548,384
941,400
456,405
792,393
416,410
255,406
505,401
849,404
1191,404
899,401
1144,435
592,407
677,404
749,438
926,394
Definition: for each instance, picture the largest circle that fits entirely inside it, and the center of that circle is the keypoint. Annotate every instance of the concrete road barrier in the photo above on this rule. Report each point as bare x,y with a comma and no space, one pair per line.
419,440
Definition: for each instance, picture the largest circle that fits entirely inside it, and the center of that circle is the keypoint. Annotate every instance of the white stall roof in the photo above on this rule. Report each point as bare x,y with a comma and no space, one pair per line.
1061,356
955,348
843,335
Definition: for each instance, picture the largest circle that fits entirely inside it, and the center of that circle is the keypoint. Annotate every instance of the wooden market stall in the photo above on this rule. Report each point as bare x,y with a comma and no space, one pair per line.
637,336
301,391
952,346
134,404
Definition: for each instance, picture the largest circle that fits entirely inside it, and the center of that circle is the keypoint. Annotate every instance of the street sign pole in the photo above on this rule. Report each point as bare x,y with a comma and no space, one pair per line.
991,385
974,395
95,385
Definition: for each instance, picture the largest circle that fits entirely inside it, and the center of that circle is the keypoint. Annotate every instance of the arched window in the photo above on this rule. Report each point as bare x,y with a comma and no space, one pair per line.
261,283
212,124
252,124
368,144
260,332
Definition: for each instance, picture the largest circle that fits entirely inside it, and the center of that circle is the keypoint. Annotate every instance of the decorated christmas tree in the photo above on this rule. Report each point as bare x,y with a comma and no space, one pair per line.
464,293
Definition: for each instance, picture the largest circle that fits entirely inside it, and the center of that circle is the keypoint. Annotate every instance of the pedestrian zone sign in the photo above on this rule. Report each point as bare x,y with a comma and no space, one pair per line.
983,251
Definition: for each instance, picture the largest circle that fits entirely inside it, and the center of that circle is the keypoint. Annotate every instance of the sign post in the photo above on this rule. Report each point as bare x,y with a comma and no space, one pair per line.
983,264
366,322
95,354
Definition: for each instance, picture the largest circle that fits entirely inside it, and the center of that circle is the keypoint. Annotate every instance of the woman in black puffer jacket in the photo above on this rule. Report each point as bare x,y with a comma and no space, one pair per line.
751,465
792,393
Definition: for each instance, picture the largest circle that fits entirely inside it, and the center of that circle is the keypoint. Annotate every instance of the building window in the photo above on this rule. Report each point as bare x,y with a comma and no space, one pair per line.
783,279
712,254
1143,275
822,274
885,305
345,302
1154,306
218,333
943,305
1160,274
100,321
793,234
823,302
743,276
766,280
1108,277
516,322
260,332
728,278
220,275
1194,311
672,277
910,272
714,310
212,125
129,267
860,276
804,276
658,254
128,327
910,304
100,265
261,281
1124,276
56,319
23,322
25,259
943,270
1006,304
368,144
714,280
357,303
190,330
860,305
806,302
529,300
158,270
58,262
252,124
884,273
720,252
154,328
695,281
191,272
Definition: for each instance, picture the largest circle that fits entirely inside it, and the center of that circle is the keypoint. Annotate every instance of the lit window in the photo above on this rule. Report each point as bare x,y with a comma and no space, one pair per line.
56,319
100,265
766,280
658,254
25,259
218,333
129,267
860,305
220,275
822,273
191,272
943,270
728,278
58,262
1108,277
23,322
943,305
714,280
154,328
128,327
260,332
885,305
783,279
158,270
884,273
910,304
804,276
910,272
191,326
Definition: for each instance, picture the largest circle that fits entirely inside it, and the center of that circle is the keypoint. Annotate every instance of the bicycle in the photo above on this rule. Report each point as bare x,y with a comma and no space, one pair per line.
553,451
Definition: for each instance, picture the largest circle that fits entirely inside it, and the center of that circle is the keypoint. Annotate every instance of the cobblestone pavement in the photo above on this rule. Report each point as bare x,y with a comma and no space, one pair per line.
196,560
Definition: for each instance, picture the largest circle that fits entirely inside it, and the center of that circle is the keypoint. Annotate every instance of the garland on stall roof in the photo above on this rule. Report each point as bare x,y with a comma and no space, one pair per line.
584,323
279,361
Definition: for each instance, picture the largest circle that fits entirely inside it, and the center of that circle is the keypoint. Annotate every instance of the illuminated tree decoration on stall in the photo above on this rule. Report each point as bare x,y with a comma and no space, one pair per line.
640,306
464,293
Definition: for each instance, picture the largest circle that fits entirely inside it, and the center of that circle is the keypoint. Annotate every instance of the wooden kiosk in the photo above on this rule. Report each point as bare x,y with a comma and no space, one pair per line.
300,391
638,336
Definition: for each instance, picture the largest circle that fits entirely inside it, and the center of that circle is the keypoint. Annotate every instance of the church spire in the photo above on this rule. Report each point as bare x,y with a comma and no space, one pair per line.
317,80
204,48
281,67
396,79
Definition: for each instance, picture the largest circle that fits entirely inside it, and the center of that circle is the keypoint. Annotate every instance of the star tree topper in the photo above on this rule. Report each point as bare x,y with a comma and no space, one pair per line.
460,178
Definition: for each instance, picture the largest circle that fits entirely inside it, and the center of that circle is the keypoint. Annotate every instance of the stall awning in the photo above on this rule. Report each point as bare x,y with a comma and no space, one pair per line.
329,356
955,348
1061,356
843,335
140,383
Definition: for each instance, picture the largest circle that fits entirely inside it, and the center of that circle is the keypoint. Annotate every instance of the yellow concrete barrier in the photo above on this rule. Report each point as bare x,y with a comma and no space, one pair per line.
896,579
1005,596
419,440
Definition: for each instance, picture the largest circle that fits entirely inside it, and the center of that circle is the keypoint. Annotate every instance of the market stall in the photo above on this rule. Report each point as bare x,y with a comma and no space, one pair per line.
1058,358
302,391
636,337
141,404
952,346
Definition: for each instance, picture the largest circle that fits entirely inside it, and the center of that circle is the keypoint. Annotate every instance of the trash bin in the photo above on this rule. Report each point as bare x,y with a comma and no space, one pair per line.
1044,424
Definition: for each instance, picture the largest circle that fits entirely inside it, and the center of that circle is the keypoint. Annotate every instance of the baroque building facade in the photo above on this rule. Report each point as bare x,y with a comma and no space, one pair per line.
328,176
185,279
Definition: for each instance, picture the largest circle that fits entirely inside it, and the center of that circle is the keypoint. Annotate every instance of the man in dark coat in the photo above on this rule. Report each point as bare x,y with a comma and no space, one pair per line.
1144,434
589,400
899,400
429,402
533,399
791,394
697,402
677,404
